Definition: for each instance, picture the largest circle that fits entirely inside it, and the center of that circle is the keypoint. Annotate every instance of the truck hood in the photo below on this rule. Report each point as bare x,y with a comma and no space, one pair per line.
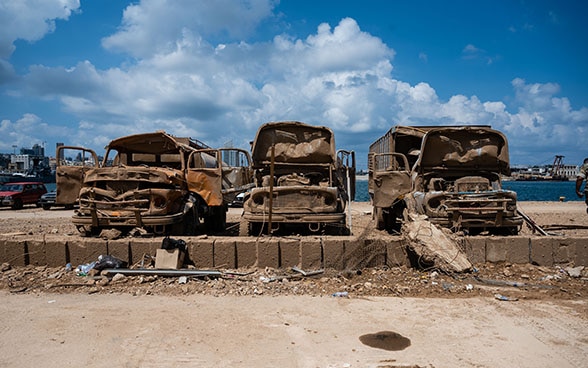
464,148
294,142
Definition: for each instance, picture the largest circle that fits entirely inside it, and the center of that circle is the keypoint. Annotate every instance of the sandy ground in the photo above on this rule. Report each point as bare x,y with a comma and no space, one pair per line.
419,318
202,331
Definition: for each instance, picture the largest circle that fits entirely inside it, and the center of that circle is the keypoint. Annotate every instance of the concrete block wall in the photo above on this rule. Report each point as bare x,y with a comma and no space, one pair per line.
309,253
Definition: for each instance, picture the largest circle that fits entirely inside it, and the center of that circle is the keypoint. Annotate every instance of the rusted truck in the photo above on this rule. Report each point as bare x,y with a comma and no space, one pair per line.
451,174
154,181
301,181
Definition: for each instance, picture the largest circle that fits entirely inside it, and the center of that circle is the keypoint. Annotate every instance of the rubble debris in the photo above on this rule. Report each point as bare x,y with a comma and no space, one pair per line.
505,298
428,241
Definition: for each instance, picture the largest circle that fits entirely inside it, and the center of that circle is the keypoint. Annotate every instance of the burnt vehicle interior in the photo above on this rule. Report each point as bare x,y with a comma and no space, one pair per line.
459,171
300,179
157,182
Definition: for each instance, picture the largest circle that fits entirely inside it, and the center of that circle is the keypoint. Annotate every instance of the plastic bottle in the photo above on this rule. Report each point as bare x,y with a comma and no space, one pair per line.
341,294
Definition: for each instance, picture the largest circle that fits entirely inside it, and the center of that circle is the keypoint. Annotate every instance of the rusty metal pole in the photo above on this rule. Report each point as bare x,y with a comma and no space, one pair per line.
271,189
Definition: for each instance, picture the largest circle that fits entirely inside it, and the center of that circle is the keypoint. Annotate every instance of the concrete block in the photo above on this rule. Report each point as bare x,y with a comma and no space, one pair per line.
225,253
200,252
14,251
35,252
517,249
581,256
55,250
475,248
121,249
246,252
268,252
84,250
542,251
169,259
311,254
396,253
496,249
564,250
334,251
139,247
289,252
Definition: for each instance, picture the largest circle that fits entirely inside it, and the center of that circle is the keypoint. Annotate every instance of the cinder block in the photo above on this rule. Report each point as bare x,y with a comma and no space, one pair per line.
35,252
289,252
139,247
334,251
246,252
225,253
517,249
121,249
475,248
14,251
268,252
496,249
200,252
396,253
311,254
85,250
373,253
542,251
581,257
55,250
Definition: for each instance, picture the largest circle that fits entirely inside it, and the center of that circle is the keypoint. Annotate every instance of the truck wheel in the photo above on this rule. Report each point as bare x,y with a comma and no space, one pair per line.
217,221
256,228
46,207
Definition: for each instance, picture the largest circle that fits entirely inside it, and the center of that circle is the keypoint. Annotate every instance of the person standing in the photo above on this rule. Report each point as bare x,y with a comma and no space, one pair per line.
580,178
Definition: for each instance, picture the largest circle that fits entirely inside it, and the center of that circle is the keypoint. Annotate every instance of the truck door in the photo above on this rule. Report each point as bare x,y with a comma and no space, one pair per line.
204,175
72,164
391,178
346,170
237,173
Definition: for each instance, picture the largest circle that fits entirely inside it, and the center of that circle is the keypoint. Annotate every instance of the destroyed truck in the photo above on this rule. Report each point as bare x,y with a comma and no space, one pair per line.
159,183
450,174
301,181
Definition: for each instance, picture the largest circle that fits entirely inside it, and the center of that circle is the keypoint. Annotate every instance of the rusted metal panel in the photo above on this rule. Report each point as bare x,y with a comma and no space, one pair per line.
299,177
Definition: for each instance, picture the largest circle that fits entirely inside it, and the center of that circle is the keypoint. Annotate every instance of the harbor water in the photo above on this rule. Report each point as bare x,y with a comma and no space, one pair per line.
526,190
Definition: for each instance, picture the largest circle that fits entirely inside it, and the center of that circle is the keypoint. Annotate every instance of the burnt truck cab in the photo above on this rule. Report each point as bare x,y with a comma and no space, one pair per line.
155,181
457,181
300,179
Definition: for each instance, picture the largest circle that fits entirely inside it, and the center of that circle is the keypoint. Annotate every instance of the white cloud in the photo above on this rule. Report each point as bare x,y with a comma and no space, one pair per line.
30,20
156,26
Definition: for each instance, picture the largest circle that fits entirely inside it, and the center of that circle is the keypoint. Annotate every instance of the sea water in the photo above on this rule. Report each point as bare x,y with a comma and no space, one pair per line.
526,190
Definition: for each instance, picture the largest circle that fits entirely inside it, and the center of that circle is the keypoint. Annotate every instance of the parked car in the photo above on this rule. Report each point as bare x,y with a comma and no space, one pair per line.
16,195
47,201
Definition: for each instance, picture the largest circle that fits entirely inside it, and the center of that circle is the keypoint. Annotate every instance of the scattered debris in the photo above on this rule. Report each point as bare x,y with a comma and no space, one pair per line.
434,245
505,298
575,271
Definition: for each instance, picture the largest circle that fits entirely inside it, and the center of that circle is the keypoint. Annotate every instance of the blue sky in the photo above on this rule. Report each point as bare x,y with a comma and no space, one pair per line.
85,72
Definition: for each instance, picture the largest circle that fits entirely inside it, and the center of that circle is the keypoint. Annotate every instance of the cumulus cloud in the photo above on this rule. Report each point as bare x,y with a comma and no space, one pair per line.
30,20
156,26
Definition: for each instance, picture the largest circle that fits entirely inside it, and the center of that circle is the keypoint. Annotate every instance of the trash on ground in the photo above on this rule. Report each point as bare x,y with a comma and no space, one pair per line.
505,298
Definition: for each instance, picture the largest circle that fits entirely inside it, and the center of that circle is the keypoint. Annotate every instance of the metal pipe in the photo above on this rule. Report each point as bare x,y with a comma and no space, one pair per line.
162,272
271,189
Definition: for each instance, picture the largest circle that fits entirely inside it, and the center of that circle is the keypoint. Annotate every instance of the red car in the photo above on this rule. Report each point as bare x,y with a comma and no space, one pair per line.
16,195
